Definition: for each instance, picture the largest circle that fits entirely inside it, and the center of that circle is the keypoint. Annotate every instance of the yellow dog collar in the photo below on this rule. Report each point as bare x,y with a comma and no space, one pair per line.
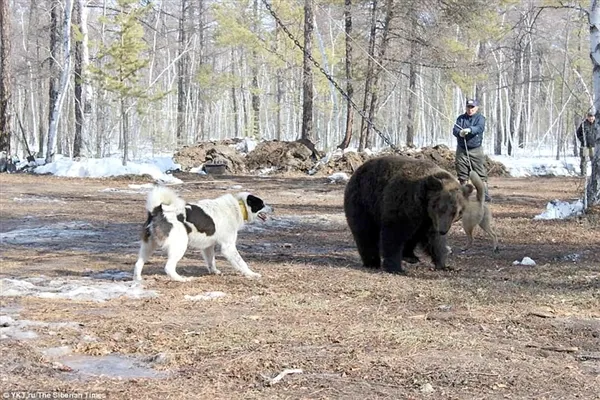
244,210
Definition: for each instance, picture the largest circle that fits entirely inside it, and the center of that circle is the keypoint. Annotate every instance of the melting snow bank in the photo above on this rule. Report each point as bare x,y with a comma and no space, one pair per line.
11,328
86,289
540,166
558,209
101,167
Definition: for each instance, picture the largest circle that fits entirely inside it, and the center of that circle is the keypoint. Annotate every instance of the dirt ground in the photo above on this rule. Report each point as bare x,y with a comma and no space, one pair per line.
488,330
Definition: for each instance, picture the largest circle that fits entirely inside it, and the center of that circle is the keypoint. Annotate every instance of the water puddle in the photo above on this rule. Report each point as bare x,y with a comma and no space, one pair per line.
62,231
110,366
297,222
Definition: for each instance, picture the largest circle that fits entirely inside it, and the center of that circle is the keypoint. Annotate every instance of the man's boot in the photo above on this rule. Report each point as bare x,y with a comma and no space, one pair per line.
583,167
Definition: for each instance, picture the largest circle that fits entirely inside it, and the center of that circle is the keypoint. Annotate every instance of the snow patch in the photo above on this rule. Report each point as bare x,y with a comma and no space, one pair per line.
526,261
338,177
97,168
557,209
86,289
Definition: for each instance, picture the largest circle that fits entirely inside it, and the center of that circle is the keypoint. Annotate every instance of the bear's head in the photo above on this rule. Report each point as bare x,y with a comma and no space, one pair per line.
446,199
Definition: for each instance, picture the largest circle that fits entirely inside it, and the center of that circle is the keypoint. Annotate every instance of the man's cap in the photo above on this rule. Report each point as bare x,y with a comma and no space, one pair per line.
591,113
472,103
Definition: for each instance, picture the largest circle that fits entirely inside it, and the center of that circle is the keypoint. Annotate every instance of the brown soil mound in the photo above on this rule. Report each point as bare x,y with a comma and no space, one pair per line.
440,155
214,152
302,157
284,156
444,157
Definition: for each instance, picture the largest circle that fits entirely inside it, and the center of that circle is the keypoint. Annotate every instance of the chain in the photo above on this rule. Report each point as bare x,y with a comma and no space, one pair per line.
384,136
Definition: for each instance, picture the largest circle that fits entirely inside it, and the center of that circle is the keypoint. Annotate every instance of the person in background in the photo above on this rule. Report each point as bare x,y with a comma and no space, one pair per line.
586,134
468,130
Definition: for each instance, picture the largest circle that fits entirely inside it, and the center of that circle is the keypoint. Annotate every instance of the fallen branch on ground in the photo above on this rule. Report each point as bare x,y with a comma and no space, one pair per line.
541,314
554,348
589,356
282,374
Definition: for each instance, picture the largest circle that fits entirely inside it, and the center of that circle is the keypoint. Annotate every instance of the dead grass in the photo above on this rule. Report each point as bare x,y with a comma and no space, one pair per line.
355,333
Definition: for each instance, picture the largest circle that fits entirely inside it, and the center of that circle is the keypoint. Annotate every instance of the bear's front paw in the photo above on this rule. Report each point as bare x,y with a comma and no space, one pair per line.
412,259
393,268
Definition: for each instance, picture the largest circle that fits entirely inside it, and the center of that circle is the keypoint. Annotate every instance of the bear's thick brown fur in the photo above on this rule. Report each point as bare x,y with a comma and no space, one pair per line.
394,203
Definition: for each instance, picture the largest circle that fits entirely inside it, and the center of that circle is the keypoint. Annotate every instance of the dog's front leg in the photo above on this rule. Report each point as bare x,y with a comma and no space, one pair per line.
209,257
233,256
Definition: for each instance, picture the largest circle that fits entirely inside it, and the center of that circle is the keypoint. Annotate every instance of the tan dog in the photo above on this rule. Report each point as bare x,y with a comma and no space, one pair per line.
477,212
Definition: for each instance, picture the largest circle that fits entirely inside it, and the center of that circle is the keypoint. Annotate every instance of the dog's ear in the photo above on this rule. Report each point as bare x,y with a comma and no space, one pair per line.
467,190
255,203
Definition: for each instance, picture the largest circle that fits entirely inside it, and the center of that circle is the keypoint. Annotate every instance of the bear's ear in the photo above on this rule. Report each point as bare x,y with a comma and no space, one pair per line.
434,184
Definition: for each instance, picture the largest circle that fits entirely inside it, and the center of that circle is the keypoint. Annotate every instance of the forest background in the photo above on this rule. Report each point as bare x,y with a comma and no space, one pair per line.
95,78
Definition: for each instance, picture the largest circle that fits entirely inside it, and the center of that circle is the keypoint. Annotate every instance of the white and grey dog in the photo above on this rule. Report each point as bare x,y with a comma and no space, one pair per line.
174,225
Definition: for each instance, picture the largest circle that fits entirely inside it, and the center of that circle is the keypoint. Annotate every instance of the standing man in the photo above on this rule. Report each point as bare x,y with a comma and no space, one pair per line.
587,133
468,130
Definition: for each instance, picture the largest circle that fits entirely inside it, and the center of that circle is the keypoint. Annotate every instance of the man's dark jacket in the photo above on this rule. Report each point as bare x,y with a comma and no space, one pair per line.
477,124
588,131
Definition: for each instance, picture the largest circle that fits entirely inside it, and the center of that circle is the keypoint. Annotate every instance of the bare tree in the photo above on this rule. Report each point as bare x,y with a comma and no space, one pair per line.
364,129
53,64
5,130
412,86
82,97
348,66
307,75
64,78
236,112
182,76
593,188
379,67
255,98
278,88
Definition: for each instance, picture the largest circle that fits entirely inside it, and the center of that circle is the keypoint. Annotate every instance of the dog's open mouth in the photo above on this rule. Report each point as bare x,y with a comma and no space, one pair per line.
262,216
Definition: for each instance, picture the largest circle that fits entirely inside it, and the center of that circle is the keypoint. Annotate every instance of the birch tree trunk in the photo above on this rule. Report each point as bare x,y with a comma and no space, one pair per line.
124,130
377,69
364,131
53,61
412,87
307,81
278,91
236,122
348,65
5,131
498,136
593,187
182,66
563,88
64,79
515,105
78,72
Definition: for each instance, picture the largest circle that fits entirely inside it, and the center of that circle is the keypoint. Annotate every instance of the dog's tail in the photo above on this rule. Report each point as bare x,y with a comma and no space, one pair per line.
166,197
478,183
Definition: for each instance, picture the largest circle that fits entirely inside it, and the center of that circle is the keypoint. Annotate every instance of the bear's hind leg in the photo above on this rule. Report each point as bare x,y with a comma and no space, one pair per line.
366,236
367,243
394,241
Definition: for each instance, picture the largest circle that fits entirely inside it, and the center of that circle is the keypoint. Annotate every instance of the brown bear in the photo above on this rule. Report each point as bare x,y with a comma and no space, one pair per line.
395,203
